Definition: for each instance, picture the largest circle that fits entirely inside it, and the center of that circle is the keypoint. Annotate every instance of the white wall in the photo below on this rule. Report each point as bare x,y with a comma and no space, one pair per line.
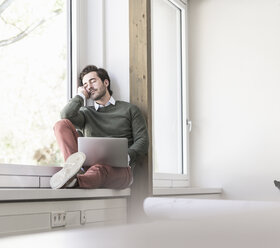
234,48
104,41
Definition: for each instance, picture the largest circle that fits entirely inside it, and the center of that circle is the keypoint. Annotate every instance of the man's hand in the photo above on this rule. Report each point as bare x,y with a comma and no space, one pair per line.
83,90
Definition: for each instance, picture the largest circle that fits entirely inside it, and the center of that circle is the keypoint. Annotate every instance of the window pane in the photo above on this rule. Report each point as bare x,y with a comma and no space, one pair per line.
167,81
33,88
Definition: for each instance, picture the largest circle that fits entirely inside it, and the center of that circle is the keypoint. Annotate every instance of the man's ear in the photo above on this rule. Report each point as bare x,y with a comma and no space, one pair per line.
106,82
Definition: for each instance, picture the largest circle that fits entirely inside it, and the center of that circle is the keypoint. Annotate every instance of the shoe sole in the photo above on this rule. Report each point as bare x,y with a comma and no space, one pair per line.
72,166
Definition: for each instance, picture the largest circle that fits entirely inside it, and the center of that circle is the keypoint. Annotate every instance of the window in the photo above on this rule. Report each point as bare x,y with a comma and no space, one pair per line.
169,88
33,89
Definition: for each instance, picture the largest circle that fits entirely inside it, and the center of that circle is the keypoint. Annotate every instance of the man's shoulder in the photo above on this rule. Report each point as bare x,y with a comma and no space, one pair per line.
127,105
124,103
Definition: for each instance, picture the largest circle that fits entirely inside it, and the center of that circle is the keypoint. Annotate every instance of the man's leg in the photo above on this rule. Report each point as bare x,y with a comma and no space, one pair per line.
104,176
96,176
66,136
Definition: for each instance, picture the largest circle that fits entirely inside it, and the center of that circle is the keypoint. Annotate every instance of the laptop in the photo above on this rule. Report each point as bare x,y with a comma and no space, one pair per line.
104,150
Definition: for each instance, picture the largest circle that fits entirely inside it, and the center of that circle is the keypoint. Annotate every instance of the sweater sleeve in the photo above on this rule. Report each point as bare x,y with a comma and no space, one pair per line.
72,112
140,135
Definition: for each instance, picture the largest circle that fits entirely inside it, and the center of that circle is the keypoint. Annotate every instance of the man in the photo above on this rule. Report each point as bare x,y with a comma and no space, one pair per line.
106,117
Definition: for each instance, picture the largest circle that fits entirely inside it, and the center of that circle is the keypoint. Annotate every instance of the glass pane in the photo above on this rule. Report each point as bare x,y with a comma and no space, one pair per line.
166,80
33,89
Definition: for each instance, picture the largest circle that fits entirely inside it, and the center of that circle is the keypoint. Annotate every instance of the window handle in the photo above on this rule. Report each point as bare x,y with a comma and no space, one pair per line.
189,124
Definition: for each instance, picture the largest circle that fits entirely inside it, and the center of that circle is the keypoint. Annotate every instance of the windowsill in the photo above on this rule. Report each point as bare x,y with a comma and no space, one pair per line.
186,191
31,183
22,194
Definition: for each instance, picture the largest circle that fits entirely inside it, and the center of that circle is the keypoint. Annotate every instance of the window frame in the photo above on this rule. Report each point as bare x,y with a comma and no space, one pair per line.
75,30
169,180
71,20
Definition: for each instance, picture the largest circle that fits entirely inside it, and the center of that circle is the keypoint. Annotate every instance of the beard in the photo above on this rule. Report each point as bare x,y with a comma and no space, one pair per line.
97,95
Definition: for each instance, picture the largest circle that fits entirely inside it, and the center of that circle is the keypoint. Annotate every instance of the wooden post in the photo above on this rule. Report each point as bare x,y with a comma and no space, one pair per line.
140,95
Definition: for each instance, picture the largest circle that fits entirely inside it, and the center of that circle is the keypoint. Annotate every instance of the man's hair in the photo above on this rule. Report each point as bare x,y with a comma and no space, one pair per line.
101,73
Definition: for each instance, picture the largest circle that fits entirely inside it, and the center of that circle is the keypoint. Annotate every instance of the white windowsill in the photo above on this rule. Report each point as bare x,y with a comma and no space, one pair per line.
31,183
22,194
186,191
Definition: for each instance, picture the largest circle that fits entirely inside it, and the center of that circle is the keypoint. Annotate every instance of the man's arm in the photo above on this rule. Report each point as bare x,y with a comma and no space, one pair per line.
140,135
72,112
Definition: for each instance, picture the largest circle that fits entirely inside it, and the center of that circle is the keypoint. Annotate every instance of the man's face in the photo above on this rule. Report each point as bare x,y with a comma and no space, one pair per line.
94,85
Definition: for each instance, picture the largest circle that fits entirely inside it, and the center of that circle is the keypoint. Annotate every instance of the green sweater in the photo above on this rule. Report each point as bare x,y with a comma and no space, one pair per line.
122,120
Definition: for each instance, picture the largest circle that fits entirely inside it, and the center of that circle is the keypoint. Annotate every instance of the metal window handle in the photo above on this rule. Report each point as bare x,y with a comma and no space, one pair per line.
189,124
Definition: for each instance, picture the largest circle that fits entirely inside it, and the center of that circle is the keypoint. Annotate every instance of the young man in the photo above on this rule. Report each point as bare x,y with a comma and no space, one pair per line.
106,117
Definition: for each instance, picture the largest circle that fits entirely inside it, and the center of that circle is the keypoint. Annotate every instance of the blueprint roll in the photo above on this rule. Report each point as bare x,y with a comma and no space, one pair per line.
182,208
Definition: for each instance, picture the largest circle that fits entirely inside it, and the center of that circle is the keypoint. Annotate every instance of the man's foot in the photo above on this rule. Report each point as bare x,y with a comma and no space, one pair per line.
68,173
277,184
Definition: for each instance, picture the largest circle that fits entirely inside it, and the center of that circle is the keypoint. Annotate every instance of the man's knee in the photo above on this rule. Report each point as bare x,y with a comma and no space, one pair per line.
62,124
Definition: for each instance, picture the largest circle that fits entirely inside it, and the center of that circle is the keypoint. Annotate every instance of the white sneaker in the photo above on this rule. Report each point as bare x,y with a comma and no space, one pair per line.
71,167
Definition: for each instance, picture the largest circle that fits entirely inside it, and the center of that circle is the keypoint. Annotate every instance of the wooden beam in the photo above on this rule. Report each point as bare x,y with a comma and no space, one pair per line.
140,95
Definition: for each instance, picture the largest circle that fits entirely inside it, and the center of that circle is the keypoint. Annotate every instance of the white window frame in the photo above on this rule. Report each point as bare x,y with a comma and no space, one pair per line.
74,49
83,13
76,29
166,180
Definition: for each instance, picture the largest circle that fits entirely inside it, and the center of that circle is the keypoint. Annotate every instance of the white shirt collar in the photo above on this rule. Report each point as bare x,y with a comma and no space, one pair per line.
111,101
